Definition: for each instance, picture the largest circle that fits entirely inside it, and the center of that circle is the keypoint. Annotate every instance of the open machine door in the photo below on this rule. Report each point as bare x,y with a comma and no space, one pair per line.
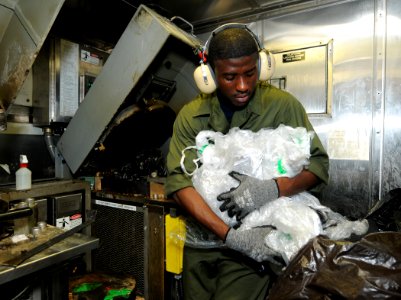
128,74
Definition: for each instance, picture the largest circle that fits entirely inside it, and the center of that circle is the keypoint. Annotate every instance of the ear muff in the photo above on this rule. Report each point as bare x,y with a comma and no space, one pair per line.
267,65
204,76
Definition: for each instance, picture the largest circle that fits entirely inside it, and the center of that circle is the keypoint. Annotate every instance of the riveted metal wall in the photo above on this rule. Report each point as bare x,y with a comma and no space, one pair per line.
361,132
392,109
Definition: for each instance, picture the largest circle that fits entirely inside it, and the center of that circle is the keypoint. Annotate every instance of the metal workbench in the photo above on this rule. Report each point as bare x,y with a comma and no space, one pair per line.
75,245
46,272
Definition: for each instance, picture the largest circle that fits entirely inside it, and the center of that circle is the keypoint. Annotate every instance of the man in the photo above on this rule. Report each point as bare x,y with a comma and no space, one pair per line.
225,270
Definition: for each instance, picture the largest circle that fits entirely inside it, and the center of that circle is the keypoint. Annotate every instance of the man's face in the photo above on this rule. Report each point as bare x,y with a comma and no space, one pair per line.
237,78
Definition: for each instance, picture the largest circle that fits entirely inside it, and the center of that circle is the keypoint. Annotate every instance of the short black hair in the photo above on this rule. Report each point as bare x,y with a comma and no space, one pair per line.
232,42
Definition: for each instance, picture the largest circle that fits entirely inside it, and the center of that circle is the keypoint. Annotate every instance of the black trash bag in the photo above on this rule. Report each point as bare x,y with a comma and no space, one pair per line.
327,269
386,214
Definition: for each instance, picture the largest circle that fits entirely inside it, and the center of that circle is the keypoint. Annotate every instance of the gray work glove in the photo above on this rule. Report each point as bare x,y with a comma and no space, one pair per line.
251,194
251,242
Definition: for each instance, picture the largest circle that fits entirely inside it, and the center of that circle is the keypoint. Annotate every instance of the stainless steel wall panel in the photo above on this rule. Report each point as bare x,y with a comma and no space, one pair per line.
346,133
392,107
306,67
378,99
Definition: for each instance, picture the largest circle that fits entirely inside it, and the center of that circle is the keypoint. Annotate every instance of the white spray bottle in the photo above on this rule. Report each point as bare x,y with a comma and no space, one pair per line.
23,176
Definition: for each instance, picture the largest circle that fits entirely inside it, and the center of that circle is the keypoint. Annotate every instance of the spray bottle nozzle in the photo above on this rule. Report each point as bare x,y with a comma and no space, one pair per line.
23,159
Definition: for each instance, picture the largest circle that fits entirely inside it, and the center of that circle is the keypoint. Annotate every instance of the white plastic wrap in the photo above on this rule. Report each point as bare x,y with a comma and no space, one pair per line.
297,219
294,222
269,153
266,154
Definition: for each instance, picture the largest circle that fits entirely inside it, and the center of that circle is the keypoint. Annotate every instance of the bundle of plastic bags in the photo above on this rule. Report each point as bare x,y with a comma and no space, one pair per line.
266,154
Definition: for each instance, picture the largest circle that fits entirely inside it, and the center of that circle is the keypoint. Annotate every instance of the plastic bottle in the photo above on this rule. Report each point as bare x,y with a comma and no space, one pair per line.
23,176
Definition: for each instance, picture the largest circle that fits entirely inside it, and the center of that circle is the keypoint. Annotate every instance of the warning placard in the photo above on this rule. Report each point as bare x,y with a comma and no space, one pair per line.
293,56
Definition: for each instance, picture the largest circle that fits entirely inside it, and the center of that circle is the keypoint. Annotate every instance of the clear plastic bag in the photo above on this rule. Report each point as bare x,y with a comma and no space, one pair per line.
266,154
299,218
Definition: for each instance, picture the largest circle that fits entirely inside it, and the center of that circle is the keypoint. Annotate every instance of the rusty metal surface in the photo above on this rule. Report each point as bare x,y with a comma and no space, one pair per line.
10,250
21,39
62,251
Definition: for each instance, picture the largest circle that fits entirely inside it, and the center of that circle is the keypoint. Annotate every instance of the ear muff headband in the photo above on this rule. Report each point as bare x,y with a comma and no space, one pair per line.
204,75
232,25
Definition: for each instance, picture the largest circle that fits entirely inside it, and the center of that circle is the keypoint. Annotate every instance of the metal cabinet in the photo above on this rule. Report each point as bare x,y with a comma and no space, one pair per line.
132,239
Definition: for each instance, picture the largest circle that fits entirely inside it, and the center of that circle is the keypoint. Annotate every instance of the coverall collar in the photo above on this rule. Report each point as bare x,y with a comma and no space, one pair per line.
217,119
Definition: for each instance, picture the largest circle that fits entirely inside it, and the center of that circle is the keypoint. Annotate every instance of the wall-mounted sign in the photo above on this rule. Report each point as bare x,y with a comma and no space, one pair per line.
293,56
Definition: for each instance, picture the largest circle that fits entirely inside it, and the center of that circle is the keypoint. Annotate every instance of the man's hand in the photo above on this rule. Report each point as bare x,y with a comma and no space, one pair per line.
251,194
251,242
